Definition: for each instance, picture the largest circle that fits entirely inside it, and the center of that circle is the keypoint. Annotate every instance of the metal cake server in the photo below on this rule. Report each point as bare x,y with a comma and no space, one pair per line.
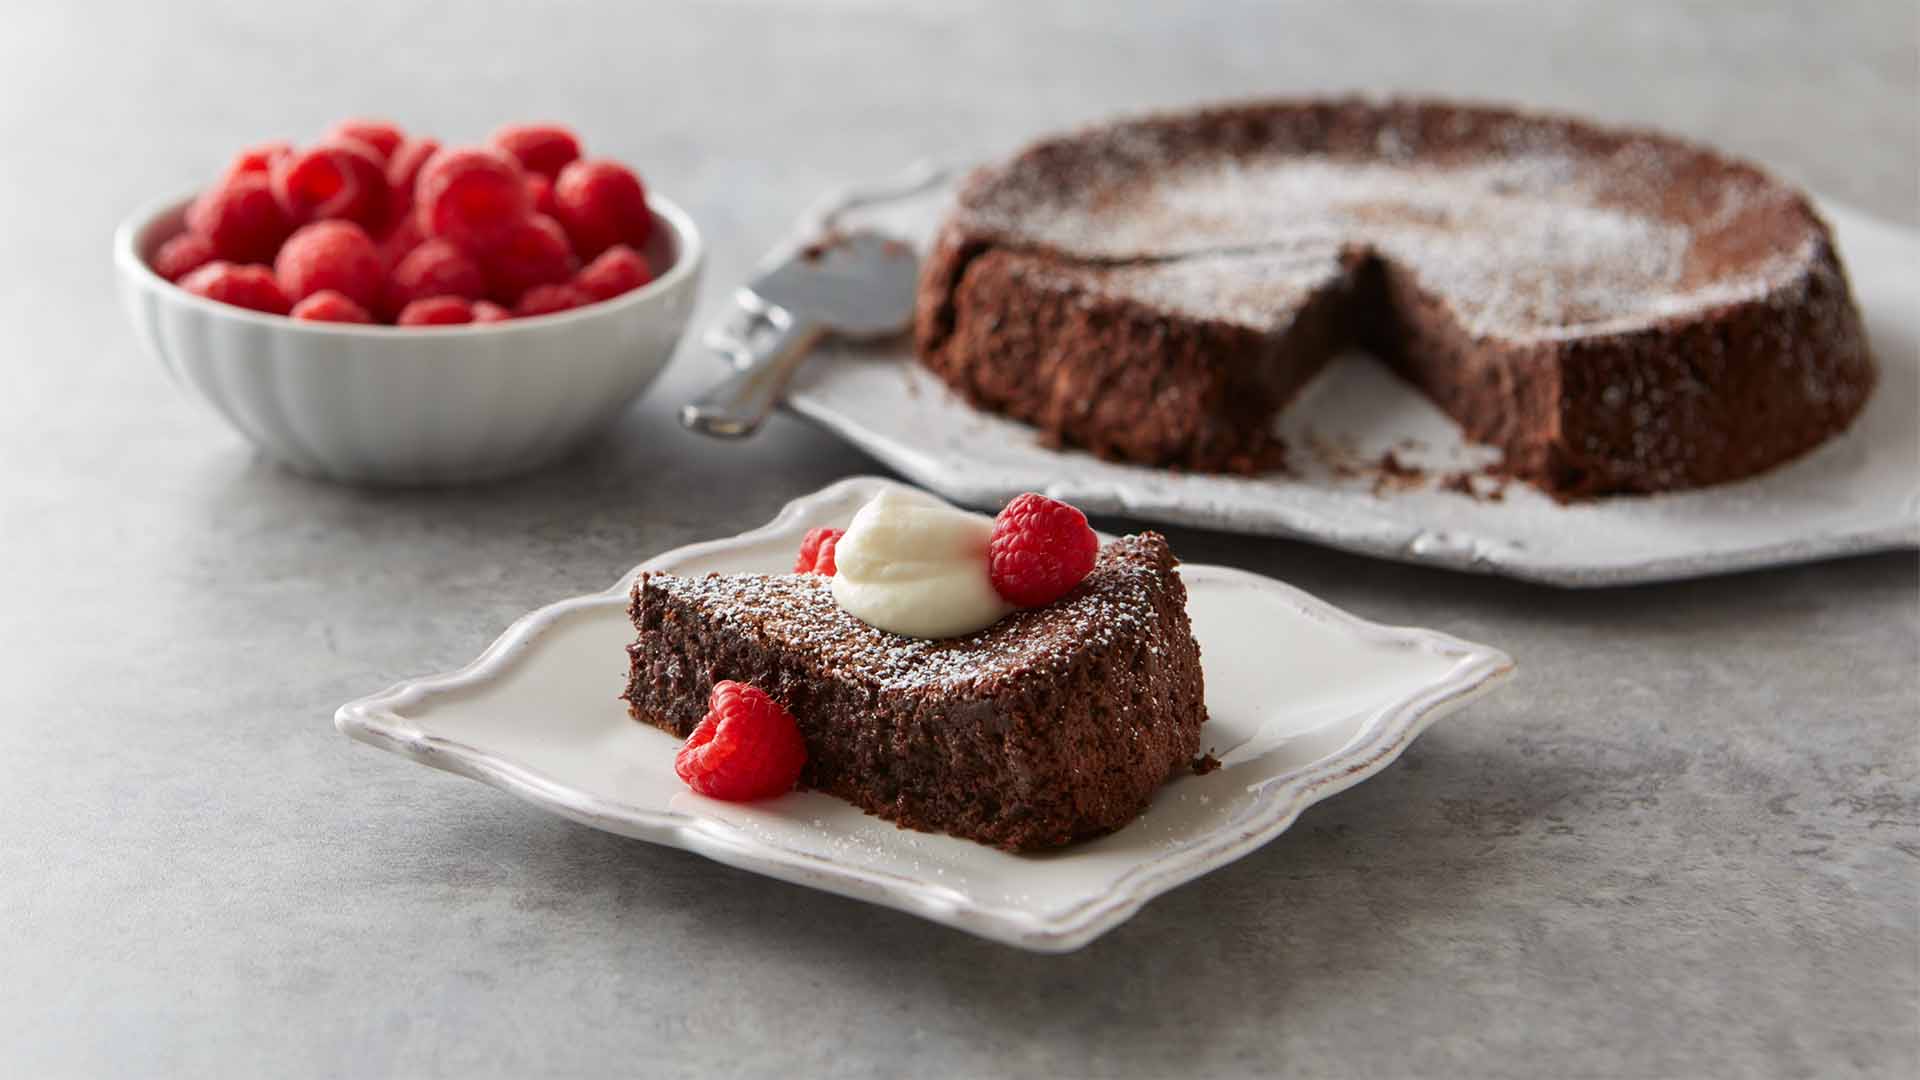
856,286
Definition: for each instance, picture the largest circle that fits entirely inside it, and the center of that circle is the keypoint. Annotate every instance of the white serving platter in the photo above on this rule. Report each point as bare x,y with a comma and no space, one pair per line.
1858,493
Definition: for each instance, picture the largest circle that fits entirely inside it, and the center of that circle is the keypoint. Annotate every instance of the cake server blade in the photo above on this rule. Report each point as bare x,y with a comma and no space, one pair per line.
856,286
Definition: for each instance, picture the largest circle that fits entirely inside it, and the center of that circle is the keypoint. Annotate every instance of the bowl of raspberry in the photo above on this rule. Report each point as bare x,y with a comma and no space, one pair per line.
377,308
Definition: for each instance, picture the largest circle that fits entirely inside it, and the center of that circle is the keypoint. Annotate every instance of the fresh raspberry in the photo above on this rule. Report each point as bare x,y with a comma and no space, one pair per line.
1040,549
601,203
435,268
381,136
540,194
541,148
470,196
617,270
334,255
816,551
240,219
548,300
403,168
182,255
329,306
488,311
242,286
436,311
748,747
399,242
335,178
258,158
531,251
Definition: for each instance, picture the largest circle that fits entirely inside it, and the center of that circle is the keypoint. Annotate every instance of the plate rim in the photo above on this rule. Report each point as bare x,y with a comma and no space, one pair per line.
377,720
1897,529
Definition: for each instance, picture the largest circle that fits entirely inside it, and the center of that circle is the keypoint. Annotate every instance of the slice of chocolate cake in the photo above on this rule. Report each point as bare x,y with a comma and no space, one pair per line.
1053,725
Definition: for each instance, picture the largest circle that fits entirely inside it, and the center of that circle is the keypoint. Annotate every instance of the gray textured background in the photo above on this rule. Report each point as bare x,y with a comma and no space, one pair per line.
1684,843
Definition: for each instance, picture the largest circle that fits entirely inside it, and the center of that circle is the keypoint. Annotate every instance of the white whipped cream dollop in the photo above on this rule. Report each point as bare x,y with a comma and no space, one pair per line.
910,564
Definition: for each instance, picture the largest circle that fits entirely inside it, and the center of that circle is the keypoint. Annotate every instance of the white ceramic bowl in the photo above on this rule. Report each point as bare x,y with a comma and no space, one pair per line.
421,405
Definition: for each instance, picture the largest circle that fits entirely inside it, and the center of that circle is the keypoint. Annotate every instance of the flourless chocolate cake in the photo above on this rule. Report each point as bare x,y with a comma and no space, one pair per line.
1055,724
1617,311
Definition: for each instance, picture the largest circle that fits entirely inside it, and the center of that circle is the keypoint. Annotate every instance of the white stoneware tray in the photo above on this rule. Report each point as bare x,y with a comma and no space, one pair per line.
1305,701
1858,493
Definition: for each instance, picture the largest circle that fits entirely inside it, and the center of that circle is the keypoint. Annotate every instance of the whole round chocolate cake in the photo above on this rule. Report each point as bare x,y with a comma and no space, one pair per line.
1617,311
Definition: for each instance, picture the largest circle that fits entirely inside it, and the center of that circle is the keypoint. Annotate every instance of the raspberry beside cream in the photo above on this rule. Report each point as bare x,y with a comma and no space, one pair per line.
912,565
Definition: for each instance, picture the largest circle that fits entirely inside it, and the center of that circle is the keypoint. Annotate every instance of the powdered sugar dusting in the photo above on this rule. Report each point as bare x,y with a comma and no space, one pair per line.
1530,238
1113,607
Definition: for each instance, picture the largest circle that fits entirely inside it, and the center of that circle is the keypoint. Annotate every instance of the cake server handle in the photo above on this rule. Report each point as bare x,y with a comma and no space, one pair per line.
740,403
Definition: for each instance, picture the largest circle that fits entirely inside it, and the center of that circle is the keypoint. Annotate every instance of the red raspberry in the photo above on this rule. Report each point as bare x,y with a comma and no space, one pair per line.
335,178
540,194
548,300
541,148
816,551
601,203
381,136
182,255
617,270
258,159
400,242
470,196
403,168
1040,549
329,306
531,251
436,311
435,268
240,219
331,255
748,747
488,311
242,286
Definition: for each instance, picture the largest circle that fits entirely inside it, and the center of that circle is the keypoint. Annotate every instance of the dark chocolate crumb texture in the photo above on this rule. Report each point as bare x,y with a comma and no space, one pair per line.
1053,725
1618,311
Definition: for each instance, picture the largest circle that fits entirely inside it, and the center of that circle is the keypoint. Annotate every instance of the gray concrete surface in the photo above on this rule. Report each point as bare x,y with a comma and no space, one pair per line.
1684,843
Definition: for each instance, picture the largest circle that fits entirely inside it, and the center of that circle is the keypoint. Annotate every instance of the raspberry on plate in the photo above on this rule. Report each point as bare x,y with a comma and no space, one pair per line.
816,551
1040,549
747,747
528,252
240,219
436,311
435,268
471,196
182,255
548,300
541,148
258,158
602,203
616,270
335,178
242,286
382,136
488,311
334,255
330,306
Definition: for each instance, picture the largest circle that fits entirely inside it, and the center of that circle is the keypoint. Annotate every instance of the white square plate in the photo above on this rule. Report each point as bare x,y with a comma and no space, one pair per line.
1858,493
1305,701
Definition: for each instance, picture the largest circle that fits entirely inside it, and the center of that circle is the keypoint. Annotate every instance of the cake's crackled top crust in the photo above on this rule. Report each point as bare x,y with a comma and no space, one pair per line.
1529,227
1114,602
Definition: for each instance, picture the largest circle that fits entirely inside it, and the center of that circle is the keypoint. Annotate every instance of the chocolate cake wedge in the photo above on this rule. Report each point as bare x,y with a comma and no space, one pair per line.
1053,725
